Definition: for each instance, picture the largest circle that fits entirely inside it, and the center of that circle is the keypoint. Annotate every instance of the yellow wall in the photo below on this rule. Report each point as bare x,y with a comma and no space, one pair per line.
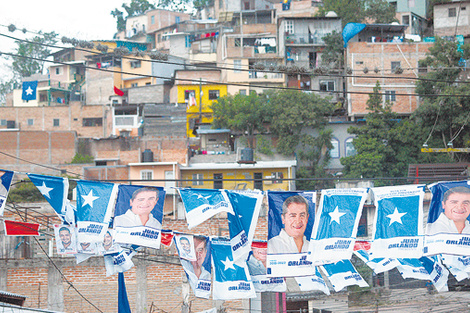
240,174
193,111
144,69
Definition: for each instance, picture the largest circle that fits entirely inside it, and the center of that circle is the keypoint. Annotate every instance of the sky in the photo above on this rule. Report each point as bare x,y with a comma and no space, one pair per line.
83,20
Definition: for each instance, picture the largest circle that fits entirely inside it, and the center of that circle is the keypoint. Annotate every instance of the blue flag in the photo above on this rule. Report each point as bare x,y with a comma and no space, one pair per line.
231,277
342,274
242,224
398,225
313,282
438,273
458,265
123,302
290,221
335,228
378,265
5,182
95,202
55,191
413,268
202,204
448,227
29,90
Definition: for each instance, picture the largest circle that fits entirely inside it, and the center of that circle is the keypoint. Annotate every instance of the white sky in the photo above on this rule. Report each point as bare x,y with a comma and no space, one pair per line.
83,20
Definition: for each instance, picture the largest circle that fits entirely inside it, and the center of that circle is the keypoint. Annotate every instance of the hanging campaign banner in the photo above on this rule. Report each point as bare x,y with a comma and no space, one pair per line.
398,224
199,271
448,227
342,274
256,262
118,262
242,224
202,204
378,265
458,265
336,223
314,282
29,89
95,202
5,182
231,277
138,215
65,237
290,221
109,245
412,268
55,191
13,228
185,246
438,273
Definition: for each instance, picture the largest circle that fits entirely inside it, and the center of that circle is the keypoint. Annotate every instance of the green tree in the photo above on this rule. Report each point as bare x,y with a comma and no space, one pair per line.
23,64
444,111
333,53
380,11
136,7
184,5
349,11
246,114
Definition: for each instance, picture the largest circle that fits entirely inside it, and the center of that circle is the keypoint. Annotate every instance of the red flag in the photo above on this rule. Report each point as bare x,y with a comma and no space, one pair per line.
13,228
167,236
365,245
118,91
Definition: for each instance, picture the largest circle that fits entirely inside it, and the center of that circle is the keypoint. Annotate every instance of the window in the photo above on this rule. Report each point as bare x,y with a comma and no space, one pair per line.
135,63
349,147
30,122
197,179
334,152
134,85
56,122
277,177
57,70
152,19
452,12
148,84
390,95
188,92
218,181
242,92
405,19
213,94
237,66
92,121
289,27
177,19
3,122
146,175
394,65
327,85
237,42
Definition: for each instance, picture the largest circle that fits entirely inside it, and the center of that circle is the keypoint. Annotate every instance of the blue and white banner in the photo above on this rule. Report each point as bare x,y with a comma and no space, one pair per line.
185,246
5,182
138,215
438,273
413,268
199,271
95,203
256,262
55,191
342,274
118,262
202,204
378,265
109,245
398,224
458,265
66,239
231,277
448,227
336,223
242,224
313,282
29,90
290,220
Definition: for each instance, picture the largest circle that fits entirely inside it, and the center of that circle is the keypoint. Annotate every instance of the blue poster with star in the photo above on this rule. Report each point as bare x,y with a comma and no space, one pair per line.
335,228
231,277
95,203
29,90
398,226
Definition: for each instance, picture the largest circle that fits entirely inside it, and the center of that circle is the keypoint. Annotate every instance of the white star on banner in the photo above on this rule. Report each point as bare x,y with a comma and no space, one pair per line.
45,190
228,264
89,199
395,217
335,215
29,91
